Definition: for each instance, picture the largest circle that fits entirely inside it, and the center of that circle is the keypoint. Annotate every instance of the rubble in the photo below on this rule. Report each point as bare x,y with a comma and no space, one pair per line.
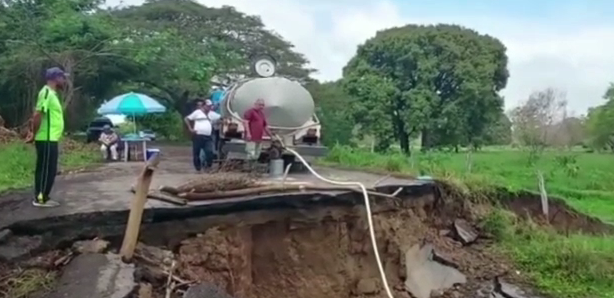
96,276
205,290
145,290
4,235
15,248
425,275
464,232
367,286
90,246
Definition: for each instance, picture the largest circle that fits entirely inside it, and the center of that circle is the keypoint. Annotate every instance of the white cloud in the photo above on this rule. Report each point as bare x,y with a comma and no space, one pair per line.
575,58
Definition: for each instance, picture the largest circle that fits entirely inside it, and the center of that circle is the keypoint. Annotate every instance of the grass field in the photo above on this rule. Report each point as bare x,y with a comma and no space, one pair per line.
584,180
560,265
17,162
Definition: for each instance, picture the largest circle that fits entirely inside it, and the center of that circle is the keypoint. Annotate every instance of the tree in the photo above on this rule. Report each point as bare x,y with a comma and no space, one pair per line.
437,81
170,49
332,102
499,132
69,34
600,122
237,36
534,120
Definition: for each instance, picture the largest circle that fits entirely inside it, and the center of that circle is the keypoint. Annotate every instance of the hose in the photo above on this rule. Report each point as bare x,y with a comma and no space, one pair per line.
367,207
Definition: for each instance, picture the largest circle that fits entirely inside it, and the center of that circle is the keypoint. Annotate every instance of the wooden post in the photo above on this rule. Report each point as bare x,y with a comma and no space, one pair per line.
543,194
137,207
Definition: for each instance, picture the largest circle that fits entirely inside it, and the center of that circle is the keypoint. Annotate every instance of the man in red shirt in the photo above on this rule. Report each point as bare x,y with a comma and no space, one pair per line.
255,127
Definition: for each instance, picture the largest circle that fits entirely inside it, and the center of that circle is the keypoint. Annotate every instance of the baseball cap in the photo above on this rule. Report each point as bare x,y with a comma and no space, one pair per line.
54,72
208,102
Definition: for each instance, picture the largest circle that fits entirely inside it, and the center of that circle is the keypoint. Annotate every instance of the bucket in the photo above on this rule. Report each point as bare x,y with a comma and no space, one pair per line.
151,151
276,168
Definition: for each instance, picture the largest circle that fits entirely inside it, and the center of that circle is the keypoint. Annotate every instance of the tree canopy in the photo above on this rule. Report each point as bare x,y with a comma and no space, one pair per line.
171,49
440,82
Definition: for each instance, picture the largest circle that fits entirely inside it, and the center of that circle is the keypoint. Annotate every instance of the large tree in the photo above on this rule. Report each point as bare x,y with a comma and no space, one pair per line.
440,81
600,122
332,102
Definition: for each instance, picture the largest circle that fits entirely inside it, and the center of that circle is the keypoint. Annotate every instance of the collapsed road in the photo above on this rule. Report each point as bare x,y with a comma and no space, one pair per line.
307,244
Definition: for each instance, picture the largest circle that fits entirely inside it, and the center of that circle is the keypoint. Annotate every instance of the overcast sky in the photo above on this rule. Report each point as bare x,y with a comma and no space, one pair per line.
565,44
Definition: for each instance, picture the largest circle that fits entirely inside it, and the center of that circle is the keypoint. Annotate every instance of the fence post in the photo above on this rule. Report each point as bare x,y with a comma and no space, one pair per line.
543,194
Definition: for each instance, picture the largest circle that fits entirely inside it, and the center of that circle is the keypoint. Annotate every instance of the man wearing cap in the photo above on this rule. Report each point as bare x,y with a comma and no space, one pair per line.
108,142
47,129
202,140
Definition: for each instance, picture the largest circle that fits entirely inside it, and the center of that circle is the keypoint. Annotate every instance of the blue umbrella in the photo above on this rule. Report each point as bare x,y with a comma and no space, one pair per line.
131,104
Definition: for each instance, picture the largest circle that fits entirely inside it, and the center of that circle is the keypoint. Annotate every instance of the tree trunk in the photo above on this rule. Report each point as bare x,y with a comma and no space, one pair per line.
425,139
404,142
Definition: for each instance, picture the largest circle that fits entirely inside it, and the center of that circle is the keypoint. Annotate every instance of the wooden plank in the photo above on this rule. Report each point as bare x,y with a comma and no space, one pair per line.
137,207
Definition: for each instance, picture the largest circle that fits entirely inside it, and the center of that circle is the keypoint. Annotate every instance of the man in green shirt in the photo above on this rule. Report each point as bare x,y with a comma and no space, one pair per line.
47,130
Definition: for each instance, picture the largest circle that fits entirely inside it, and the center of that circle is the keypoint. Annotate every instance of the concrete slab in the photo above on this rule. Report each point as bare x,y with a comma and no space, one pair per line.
96,276
425,275
107,190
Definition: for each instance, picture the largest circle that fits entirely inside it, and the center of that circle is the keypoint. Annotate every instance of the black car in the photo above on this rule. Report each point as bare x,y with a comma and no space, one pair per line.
95,128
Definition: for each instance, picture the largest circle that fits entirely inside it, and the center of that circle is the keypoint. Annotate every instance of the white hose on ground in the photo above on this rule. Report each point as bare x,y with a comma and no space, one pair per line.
369,214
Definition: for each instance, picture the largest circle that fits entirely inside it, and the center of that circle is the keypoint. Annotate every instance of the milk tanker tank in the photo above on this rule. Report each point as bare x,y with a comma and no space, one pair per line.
289,110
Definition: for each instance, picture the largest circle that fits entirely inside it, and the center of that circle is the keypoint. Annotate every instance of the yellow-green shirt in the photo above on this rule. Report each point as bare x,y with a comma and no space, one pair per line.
52,122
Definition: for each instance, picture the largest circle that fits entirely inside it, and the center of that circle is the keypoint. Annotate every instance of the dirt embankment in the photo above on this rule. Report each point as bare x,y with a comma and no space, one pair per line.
326,252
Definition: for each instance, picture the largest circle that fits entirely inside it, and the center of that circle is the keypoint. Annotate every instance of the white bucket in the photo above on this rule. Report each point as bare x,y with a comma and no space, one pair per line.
276,168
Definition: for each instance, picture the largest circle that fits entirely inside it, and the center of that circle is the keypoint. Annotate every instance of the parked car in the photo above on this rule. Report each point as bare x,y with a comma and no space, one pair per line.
147,133
95,128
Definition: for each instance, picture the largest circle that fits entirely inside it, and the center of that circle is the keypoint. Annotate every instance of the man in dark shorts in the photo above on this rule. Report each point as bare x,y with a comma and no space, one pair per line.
47,129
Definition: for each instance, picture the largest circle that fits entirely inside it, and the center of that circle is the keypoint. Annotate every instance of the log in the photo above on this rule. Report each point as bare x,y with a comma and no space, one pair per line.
169,189
137,207
164,197
191,196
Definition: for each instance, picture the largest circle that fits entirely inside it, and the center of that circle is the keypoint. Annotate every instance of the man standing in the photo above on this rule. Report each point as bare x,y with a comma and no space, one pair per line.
204,121
108,140
47,130
216,98
255,126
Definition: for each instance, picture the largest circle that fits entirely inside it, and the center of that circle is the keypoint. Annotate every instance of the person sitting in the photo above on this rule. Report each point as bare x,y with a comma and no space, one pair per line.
108,140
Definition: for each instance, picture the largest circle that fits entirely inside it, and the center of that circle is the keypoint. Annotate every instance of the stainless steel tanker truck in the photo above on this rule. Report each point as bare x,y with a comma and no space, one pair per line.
289,110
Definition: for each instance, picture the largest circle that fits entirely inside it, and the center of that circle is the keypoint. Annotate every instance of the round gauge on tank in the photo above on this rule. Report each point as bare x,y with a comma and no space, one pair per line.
264,66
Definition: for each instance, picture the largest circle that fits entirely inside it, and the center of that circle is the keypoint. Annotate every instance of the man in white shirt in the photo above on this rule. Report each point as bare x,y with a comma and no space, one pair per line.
204,119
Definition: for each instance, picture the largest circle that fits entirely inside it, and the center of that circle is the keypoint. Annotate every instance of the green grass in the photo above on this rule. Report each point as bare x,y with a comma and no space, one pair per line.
571,266
17,162
584,180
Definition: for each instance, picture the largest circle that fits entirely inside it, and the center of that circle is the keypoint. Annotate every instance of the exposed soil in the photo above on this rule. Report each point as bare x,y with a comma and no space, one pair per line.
325,251
329,254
